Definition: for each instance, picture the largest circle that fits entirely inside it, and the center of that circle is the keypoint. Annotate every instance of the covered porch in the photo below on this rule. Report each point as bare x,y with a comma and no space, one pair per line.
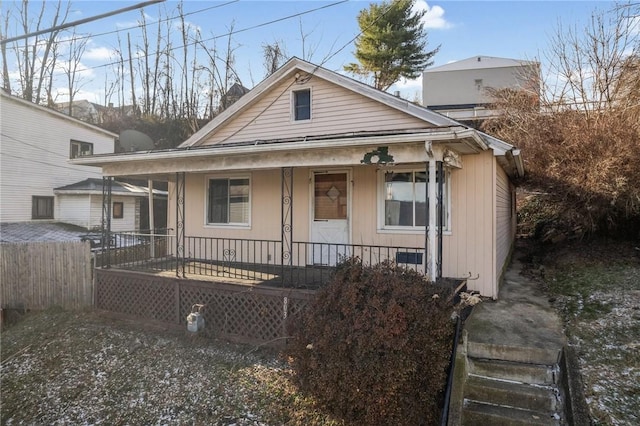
294,207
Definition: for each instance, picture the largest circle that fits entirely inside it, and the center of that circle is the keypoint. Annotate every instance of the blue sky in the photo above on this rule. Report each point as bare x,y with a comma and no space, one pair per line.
512,29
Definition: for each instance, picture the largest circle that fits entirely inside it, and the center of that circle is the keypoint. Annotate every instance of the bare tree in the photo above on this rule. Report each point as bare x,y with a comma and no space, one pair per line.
6,82
274,55
132,76
581,143
34,55
584,65
71,67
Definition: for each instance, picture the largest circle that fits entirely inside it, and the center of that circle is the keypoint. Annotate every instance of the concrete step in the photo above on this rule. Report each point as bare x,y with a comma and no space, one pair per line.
516,371
519,395
475,413
531,354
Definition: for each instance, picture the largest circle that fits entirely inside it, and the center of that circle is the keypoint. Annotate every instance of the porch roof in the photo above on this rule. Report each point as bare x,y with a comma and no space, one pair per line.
407,146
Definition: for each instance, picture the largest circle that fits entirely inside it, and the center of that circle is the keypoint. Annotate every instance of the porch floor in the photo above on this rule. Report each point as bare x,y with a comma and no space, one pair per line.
310,277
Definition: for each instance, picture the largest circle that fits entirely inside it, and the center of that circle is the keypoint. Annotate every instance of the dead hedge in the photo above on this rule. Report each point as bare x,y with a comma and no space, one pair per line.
583,170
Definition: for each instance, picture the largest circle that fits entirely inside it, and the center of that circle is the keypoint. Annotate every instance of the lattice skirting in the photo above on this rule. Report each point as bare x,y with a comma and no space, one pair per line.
251,314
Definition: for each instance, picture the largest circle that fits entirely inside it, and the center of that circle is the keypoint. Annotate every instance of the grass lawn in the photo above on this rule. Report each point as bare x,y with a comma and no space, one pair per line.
596,287
62,368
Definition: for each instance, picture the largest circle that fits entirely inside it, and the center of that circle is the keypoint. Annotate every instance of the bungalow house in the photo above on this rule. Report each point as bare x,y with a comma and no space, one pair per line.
311,165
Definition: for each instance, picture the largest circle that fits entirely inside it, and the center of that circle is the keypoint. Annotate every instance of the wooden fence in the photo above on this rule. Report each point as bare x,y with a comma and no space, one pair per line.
43,274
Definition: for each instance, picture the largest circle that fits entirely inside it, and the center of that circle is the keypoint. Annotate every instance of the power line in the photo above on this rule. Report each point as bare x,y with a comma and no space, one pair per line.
125,60
82,37
81,21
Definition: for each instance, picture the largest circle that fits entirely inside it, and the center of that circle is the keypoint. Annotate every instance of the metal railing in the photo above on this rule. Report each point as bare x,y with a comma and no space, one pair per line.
301,265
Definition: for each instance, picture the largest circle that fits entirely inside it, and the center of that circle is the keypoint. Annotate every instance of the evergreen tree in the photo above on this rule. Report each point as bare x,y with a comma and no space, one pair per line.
392,43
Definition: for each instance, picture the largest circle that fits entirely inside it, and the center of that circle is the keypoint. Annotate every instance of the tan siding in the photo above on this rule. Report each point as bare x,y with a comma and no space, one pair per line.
469,248
505,220
334,110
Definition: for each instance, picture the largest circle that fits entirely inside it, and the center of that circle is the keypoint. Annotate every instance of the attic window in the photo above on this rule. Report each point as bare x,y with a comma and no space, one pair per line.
302,105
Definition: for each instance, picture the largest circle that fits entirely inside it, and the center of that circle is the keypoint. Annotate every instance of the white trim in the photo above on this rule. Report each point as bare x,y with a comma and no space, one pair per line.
228,176
382,228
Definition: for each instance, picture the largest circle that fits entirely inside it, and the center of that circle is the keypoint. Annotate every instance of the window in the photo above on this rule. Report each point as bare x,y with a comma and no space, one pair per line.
118,210
80,149
228,201
41,207
302,105
405,199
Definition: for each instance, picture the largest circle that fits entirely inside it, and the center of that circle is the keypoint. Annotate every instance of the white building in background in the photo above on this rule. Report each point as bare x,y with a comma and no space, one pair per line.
36,144
459,89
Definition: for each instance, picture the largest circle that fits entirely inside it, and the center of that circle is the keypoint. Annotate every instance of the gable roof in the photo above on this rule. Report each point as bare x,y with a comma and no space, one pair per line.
296,65
481,62
196,154
10,98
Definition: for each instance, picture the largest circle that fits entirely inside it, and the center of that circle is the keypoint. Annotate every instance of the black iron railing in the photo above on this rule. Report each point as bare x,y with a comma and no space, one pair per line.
307,264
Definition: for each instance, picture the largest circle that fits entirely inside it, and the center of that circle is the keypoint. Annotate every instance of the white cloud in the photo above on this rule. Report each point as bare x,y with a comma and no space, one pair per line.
433,17
99,53
405,84
410,90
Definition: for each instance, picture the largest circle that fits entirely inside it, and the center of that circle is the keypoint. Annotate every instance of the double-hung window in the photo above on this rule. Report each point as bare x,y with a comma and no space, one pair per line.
228,201
404,194
41,207
302,105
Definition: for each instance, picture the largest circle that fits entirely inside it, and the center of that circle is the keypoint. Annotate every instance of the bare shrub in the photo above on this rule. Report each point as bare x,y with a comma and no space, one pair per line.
374,346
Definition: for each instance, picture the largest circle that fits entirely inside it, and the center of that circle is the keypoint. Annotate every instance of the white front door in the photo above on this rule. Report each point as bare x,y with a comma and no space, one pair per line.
329,217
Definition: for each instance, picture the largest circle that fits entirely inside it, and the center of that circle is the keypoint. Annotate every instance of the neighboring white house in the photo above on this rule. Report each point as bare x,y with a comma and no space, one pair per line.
459,89
36,144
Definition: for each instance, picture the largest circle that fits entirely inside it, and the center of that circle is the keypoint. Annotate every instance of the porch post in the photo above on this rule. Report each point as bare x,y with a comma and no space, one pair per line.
431,220
286,236
106,221
180,238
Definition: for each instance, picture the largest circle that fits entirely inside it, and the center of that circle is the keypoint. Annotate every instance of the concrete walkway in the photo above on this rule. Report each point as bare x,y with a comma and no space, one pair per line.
508,368
521,325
